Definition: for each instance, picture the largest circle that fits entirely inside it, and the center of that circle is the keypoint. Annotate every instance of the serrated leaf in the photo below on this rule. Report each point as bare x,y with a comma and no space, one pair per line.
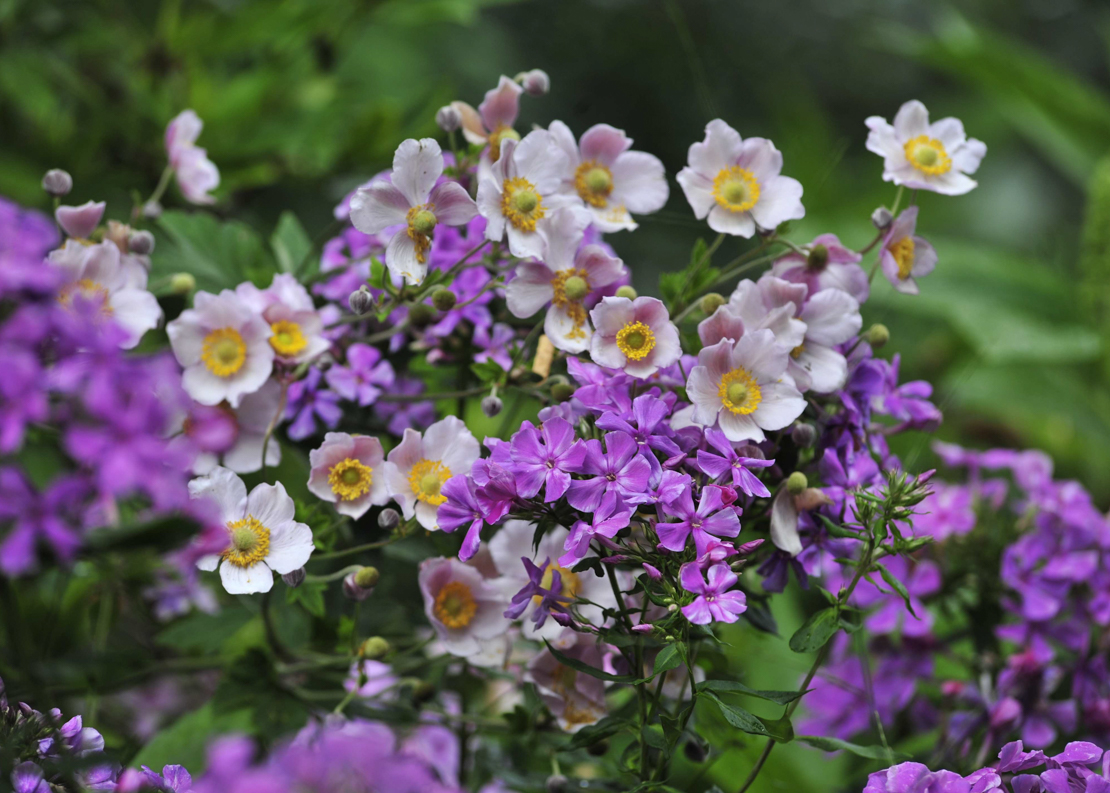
310,595
836,745
780,697
816,631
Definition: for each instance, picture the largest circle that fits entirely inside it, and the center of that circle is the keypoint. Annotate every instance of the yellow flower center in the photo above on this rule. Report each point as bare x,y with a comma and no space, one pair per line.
287,338
88,290
903,253
739,392
421,224
223,352
455,606
928,155
502,132
796,353
570,288
569,582
426,479
736,189
635,340
250,542
521,204
594,183
350,479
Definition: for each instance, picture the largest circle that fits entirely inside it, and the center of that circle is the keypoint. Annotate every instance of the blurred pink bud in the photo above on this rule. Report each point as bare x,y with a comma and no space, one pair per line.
643,627
652,571
80,222
535,82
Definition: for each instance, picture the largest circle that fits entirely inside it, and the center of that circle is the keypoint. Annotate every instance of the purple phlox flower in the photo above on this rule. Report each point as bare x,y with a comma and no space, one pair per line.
714,516
496,344
921,580
496,489
915,778
549,598
309,399
49,518
545,457
610,517
618,472
714,601
601,389
364,377
846,468
730,462
776,571
460,508
665,486
399,415
948,510
907,403
646,423
23,398
28,778
1024,688
1013,757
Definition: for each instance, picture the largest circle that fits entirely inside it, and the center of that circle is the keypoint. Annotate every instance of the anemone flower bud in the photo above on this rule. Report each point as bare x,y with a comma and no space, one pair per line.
448,118
491,406
444,300
711,302
374,648
182,283
881,218
535,82
389,519
57,182
878,335
152,210
140,242
360,301
627,291
295,578
360,584
80,222
561,392
796,483
803,434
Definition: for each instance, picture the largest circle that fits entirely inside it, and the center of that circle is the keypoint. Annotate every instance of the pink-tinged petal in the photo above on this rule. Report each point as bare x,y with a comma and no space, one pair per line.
781,404
524,244
602,268
780,293
541,162
612,314
80,221
882,139
605,352
949,131
760,156
377,206
723,324
530,290
501,104
401,259
417,164
639,182
564,333
604,143
136,311
698,612
924,257
562,232
967,157
780,199
738,224
738,427
564,139
832,317
825,368
760,355
951,183
719,150
246,580
702,390
699,191
668,349
489,207
784,523
197,175
472,127
906,286
453,206
182,132
912,120
717,359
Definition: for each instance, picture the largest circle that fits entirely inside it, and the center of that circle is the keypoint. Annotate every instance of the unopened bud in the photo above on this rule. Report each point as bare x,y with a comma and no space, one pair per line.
535,83
423,691
561,392
140,242
360,584
804,435
556,783
367,577
81,221
360,301
796,483
491,406
672,608
878,335
295,578
374,648
627,291
711,302
421,315
448,118
444,300
818,257
182,283
881,218
389,519
57,182
152,210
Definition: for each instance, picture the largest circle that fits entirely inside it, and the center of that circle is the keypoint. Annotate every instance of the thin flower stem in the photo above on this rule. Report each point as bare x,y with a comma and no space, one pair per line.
160,190
322,579
355,549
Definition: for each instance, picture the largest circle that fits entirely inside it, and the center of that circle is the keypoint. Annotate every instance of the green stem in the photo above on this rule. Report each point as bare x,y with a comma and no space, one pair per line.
356,549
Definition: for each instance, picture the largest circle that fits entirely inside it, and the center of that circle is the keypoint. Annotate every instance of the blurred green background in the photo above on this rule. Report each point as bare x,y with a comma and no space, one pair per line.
303,99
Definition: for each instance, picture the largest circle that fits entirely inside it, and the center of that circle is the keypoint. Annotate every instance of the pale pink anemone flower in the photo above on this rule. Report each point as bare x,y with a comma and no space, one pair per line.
575,699
419,466
80,221
738,183
347,470
263,537
634,335
905,257
613,182
96,275
744,387
493,121
411,197
770,303
224,347
925,156
588,595
831,318
565,278
826,264
521,189
197,176
246,428
466,611
297,330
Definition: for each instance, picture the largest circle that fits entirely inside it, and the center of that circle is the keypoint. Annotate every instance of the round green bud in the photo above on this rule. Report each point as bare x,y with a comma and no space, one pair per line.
182,283
576,288
421,315
444,300
627,291
561,392
878,335
796,483
374,648
367,577
818,257
711,302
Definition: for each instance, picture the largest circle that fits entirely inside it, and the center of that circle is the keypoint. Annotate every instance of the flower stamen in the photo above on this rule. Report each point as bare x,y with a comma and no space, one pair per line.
223,352
455,606
250,542
928,155
739,392
350,479
903,252
287,339
736,189
594,183
635,340
521,204
427,478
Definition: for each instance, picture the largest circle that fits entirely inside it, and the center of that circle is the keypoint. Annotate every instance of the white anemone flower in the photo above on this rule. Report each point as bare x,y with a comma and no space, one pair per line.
831,318
466,611
297,330
264,538
348,471
419,466
634,335
924,156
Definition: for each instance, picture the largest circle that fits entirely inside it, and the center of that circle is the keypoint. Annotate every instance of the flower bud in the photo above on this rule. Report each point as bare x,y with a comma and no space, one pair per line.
444,300
448,118
491,406
557,783
374,648
57,182
673,607
796,483
360,584
294,578
422,691
878,335
561,392
535,82
804,435
80,222
421,315
367,577
389,519
182,283
881,218
627,291
711,302
152,210
818,257
812,498
140,242
360,301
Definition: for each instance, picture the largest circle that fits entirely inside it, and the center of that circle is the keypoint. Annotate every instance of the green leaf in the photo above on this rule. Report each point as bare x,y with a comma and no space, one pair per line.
780,697
897,586
204,633
378,276
185,742
835,744
219,254
585,668
816,630
780,729
309,595
740,718
670,657
290,243
488,371
160,534
588,736
653,736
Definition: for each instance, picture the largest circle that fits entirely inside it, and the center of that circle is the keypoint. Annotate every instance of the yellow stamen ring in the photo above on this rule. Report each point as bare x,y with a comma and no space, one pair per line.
521,204
350,479
287,338
903,252
223,352
736,189
928,155
455,606
250,542
739,392
635,340
426,479
594,183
